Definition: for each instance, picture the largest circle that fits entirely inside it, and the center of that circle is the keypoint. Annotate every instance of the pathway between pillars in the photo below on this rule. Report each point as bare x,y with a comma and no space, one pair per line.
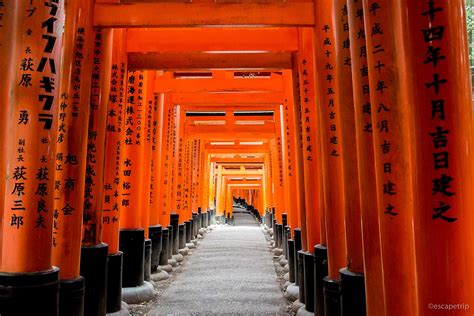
231,272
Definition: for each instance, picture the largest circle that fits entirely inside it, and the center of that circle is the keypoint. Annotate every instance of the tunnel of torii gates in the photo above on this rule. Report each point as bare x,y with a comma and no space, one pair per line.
345,125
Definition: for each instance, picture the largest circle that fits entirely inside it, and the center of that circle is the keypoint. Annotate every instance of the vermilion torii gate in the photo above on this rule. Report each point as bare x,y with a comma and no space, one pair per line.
114,117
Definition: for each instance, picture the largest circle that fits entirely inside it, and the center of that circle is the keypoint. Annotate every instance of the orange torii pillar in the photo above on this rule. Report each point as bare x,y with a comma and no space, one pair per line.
28,281
166,161
442,103
112,194
277,172
365,158
71,152
8,12
284,177
146,138
94,253
313,177
352,277
332,150
293,146
392,130
132,235
155,228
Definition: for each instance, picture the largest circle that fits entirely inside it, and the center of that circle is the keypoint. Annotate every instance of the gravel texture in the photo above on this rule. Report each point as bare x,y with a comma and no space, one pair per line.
232,272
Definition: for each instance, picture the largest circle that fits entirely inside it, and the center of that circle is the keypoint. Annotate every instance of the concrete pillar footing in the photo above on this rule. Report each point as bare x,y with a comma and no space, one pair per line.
190,245
292,292
184,251
167,268
160,276
173,262
277,252
179,257
138,294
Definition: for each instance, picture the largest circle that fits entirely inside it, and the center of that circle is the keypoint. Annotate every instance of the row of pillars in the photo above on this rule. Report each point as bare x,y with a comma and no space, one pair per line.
93,163
382,117
384,110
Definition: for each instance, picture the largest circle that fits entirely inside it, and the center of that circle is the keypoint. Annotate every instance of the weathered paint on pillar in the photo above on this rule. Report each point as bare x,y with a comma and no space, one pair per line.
366,165
133,143
439,79
148,112
332,151
311,133
71,148
391,125
344,89
32,110
112,195
93,194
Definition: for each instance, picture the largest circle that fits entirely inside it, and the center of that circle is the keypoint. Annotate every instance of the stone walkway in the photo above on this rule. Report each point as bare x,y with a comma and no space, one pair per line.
230,273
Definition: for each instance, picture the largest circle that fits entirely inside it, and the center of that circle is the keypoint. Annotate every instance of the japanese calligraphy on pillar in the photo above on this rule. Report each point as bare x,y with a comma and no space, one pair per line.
329,92
167,161
112,191
360,70
436,110
132,157
288,136
280,161
382,97
93,187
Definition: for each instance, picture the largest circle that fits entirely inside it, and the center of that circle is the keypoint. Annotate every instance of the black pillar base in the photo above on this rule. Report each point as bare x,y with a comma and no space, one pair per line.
71,297
132,244
94,270
174,221
291,261
182,236
352,293
332,297
147,263
33,293
320,272
114,282
298,247
301,276
187,224
170,241
309,281
164,247
155,234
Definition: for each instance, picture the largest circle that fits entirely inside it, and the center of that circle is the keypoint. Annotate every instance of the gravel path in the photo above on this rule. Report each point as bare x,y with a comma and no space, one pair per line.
230,273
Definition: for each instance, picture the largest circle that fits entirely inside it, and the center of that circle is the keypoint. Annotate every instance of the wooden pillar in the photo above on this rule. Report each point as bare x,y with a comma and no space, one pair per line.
365,159
179,142
311,159
30,97
148,112
437,69
112,196
352,278
331,138
392,129
157,163
131,231
166,160
8,13
111,203
71,148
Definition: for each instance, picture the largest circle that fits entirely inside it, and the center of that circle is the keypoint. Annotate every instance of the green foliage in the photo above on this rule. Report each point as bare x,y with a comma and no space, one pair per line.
470,28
